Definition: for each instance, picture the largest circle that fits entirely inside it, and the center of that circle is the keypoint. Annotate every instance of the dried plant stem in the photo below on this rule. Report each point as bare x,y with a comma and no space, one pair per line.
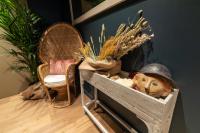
108,48
127,37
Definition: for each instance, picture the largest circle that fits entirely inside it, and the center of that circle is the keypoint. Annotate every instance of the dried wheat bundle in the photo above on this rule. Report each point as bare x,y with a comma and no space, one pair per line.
127,38
87,51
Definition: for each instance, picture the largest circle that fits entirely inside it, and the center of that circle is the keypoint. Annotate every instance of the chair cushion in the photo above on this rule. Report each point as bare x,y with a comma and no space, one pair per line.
55,80
58,67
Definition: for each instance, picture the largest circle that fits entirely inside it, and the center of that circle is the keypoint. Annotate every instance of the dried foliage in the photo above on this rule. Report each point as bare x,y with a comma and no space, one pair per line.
87,51
127,38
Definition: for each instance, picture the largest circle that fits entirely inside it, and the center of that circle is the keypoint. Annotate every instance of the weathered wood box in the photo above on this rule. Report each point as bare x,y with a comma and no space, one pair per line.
155,113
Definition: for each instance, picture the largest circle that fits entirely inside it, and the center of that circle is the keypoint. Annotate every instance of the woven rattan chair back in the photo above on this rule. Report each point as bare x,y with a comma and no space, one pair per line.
59,42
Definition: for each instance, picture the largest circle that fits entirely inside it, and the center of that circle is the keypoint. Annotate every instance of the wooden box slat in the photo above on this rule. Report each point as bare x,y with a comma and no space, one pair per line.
156,113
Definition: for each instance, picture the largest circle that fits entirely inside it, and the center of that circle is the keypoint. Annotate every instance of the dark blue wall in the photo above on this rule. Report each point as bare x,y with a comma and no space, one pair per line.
176,25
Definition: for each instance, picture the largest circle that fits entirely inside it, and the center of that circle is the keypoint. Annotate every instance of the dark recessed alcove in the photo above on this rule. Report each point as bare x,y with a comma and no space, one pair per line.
51,11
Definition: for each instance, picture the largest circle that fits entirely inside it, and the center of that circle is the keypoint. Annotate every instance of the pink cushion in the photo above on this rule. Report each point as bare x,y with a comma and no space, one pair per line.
60,66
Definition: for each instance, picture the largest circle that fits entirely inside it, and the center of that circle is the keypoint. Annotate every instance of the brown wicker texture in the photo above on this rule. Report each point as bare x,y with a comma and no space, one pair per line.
58,42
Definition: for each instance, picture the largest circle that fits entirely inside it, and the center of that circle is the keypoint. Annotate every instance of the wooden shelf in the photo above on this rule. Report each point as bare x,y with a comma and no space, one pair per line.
105,5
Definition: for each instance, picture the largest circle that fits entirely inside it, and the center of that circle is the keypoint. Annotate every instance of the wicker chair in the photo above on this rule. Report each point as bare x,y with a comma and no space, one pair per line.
59,42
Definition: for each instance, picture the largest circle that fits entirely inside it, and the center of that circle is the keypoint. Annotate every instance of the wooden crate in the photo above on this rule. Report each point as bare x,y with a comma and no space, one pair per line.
155,113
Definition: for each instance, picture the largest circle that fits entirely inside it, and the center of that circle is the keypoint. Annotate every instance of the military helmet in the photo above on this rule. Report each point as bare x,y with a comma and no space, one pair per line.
158,69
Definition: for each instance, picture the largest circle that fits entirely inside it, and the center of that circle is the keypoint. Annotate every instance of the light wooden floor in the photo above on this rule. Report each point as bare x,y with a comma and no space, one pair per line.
18,116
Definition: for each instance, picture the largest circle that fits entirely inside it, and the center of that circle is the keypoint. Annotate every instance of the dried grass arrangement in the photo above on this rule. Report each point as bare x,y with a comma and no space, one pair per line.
127,38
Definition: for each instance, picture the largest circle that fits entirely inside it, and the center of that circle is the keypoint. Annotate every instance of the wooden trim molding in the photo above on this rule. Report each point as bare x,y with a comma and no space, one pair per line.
105,5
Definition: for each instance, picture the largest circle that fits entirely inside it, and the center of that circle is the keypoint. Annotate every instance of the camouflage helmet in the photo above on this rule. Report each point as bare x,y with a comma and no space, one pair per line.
158,69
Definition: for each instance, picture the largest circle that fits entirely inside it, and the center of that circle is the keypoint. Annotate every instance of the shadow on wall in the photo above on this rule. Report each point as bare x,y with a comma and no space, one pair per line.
137,58
11,82
178,120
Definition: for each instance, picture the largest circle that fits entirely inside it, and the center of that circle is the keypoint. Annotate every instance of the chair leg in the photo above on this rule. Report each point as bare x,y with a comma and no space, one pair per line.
68,94
47,92
75,91
63,103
